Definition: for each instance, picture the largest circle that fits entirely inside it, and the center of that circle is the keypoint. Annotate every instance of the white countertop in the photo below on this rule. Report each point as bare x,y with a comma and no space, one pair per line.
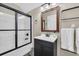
49,39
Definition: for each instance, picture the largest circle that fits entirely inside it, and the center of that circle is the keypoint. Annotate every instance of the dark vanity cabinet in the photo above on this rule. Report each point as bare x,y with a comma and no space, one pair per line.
45,48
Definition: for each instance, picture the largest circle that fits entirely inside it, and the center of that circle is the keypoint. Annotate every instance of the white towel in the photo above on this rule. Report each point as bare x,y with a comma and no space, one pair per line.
67,39
77,40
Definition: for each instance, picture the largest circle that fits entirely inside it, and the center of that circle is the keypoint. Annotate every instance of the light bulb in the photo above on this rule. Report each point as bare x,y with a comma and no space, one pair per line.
42,8
47,7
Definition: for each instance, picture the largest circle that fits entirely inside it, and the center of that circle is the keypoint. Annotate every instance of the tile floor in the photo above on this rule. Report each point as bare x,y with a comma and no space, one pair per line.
67,53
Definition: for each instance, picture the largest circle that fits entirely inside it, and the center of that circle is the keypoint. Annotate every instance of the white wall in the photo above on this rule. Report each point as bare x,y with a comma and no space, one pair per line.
36,21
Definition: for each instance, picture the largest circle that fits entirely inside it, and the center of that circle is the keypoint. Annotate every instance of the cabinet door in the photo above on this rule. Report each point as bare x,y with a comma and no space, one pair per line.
43,48
47,48
23,29
23,22
23,37
7,29
37,48
7,41
47,51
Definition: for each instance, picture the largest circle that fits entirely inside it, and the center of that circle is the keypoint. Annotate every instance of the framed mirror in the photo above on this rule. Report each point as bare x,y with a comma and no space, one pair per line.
50,20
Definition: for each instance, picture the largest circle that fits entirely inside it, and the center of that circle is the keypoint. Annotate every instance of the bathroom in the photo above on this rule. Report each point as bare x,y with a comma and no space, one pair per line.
35,35
70,23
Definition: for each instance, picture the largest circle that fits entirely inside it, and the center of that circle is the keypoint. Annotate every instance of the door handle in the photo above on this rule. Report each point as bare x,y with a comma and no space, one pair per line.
26,38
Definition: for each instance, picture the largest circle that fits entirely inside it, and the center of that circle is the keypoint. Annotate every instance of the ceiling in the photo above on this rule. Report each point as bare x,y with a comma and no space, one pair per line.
25,7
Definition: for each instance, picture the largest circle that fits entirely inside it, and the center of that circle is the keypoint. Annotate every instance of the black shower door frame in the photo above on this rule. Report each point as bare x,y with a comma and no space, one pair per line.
16,27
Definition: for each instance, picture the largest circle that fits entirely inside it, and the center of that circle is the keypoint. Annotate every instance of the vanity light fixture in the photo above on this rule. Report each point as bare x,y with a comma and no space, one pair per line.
47,6
42,8
53,4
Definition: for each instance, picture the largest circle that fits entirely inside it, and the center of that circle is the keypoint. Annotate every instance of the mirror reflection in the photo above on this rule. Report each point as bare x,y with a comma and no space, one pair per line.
50,20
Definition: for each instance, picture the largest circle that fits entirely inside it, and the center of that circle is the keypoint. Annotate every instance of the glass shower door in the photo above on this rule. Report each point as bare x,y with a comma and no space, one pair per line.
23,30
7,30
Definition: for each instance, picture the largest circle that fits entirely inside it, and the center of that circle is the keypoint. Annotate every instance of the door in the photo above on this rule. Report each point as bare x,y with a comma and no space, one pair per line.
7,29
23,29
15,29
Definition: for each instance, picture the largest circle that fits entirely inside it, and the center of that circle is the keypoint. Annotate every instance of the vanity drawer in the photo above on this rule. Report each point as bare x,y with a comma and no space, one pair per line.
45,43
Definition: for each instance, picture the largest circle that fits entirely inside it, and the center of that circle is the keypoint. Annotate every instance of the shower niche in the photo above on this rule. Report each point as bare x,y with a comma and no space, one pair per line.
15,29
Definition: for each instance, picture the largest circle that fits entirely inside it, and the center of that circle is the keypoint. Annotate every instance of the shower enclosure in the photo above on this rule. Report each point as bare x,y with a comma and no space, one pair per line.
15,29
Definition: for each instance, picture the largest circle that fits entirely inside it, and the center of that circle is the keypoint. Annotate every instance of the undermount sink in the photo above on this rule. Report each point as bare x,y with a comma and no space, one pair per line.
51,38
